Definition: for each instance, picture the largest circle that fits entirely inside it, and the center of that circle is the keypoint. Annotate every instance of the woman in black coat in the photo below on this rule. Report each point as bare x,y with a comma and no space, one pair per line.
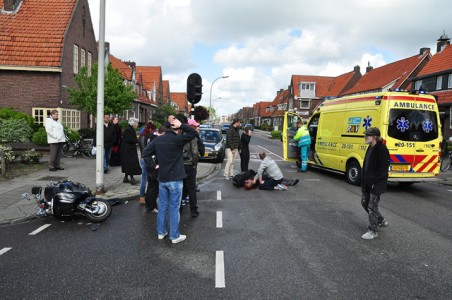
244,149
129,156
115,159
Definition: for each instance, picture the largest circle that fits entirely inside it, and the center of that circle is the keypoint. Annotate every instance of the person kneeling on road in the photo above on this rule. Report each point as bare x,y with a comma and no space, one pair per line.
274,178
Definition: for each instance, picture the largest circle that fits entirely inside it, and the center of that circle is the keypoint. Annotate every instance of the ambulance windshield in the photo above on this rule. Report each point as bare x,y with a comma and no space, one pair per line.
413,125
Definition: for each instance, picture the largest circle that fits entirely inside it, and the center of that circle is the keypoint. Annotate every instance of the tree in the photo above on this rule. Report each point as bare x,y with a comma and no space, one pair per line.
201,113
162,112
117,96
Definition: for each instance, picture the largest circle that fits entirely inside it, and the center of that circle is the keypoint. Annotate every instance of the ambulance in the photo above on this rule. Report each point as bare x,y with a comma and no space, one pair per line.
409,124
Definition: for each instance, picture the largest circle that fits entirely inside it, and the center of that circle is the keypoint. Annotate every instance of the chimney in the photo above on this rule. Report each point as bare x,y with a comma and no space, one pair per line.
424,50
369,67
356,69
442,42
11,5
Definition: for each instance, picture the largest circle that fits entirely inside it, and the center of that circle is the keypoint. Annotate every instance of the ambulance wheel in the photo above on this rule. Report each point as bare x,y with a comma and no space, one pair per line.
353,173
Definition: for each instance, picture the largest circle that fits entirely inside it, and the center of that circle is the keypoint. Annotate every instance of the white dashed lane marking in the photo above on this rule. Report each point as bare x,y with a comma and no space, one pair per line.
219,219
219,270
4,250
218,195
39,229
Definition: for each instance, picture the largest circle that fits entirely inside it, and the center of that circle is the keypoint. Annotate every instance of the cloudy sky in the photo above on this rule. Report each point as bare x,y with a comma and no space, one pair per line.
259,44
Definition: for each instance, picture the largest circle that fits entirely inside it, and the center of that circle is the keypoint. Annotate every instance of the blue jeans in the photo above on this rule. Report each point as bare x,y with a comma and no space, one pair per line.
170,194
144,177
107,157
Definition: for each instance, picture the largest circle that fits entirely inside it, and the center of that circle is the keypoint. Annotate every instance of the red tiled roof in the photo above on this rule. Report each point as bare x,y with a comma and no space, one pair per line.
34,35
380,77
444,96
323,84
150,75
180,99
123,68
441,61
165,89
263,109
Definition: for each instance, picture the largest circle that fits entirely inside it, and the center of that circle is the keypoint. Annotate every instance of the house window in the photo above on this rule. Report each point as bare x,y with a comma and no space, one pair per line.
82,58
417,85
449,81
450,116
68,117
90,63
305,104
439,82
307,89
75,59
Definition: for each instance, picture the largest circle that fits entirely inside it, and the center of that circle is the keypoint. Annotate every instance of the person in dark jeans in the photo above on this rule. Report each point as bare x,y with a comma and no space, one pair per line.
152,190
374,180
192,151
244,149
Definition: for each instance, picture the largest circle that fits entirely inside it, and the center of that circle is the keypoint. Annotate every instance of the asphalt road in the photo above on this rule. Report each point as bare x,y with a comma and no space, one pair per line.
304,243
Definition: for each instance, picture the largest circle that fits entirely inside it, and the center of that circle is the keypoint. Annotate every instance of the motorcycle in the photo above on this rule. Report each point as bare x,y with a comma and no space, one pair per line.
65,199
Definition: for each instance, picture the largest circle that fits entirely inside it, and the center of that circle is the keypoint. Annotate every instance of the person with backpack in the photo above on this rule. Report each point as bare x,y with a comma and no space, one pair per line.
152,170
143,141
191,153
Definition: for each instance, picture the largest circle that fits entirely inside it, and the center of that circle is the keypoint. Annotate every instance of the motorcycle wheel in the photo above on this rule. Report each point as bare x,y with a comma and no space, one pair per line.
99,211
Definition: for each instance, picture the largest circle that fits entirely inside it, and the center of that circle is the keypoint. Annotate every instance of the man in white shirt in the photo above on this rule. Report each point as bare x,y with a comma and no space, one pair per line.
56,140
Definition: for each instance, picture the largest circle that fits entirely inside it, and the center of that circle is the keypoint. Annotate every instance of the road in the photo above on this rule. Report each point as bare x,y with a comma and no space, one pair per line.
304,243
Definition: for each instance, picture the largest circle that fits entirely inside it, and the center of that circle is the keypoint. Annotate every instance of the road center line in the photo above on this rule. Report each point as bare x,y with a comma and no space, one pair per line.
4,250
219,219
39,229
219,270
268,151
218,195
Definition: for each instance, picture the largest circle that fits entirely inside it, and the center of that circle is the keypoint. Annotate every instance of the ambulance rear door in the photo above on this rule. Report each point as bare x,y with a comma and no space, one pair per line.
413,140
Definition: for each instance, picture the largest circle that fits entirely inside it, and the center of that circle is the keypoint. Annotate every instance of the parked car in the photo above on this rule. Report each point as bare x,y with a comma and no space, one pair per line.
214,143
205,126
250,126
225,128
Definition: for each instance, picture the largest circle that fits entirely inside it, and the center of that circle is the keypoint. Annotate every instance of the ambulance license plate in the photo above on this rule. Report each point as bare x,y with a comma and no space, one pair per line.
206,154
400,168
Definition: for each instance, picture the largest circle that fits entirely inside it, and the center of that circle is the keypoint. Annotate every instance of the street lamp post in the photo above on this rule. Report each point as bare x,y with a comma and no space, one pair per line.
210,98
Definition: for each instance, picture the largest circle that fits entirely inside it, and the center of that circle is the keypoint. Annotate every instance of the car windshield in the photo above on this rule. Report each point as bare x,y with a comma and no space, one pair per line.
413,125
226,125
210,136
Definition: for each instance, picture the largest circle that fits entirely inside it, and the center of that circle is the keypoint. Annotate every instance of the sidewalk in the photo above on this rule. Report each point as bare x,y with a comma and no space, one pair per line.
15,209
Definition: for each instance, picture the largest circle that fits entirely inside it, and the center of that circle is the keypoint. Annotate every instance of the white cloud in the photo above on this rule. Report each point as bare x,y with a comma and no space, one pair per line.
260,44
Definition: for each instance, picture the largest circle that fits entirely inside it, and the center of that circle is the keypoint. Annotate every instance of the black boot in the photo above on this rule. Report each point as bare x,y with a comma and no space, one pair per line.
125,180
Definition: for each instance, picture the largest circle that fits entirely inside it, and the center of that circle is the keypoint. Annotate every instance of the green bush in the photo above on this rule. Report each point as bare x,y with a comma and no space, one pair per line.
15,130
11,114
276,134
266,127
72,135
87,133
40,137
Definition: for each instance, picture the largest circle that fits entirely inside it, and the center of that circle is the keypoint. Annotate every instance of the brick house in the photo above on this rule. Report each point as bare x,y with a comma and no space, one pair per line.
43,45
179,102
436,79
307,92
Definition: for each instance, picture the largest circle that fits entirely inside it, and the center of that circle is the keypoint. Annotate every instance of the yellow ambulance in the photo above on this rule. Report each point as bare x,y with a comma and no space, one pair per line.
409,124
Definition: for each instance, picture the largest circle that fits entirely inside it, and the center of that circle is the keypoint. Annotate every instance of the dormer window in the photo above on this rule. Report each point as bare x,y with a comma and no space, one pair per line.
307,89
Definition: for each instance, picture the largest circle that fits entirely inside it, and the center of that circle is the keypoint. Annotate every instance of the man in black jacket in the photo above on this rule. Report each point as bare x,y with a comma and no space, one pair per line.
168,149
232,148
374,180
109,139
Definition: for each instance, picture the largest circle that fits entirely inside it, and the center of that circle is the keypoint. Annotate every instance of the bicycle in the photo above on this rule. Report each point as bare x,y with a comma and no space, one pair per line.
446,161
82,146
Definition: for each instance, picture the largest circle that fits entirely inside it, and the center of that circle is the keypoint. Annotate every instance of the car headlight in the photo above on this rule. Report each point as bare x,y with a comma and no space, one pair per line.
217,147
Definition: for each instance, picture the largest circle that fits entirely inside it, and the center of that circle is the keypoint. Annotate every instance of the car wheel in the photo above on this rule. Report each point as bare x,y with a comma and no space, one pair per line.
353,173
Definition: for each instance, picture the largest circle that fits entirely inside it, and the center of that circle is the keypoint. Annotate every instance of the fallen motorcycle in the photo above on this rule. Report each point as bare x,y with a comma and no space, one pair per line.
65,199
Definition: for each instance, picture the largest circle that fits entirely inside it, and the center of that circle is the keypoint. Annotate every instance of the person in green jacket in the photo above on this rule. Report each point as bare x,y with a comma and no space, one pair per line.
304,142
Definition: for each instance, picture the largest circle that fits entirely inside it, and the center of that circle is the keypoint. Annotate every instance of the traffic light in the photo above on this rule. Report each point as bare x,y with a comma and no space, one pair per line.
194,88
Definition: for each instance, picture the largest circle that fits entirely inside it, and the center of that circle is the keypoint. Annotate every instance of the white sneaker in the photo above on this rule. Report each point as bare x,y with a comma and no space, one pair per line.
226,177
155,211
181,238
370,234
162,236
282,187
